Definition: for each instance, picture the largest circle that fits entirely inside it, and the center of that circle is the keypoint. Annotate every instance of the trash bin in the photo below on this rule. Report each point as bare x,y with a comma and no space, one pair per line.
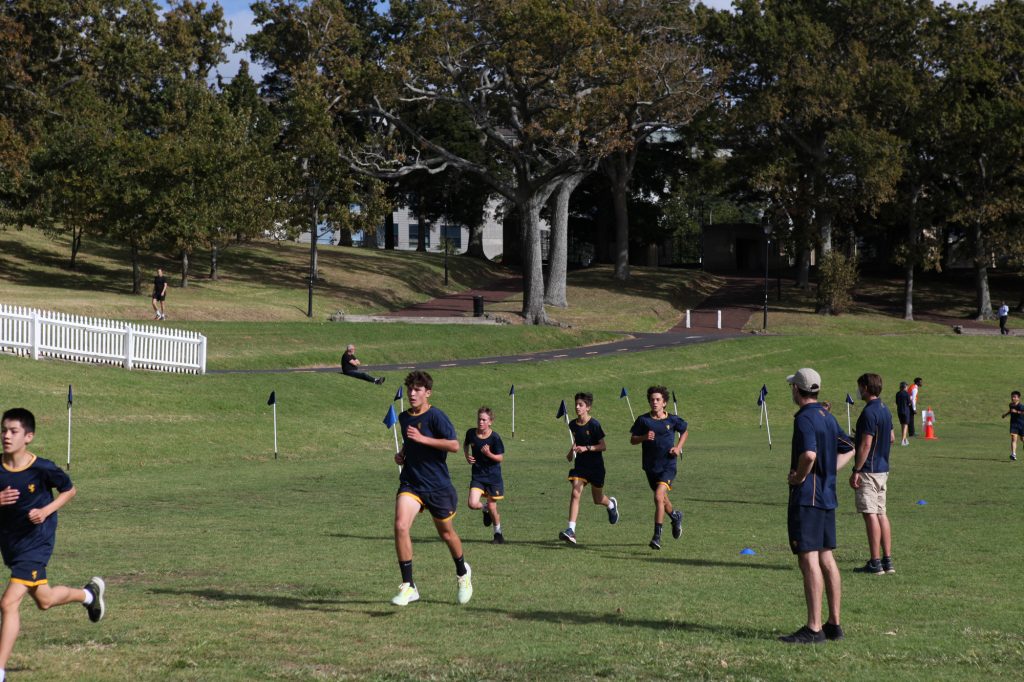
478,306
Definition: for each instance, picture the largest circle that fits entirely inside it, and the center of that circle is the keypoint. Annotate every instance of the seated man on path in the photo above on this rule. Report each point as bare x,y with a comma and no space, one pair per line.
350,366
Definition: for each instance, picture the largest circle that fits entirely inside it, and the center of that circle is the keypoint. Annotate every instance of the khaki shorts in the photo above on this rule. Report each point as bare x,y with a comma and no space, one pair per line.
870,496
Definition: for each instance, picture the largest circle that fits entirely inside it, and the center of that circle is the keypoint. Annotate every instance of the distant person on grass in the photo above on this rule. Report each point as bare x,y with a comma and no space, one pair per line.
28,529
870,475
485,451
903,412
350,366
817,441
424,483
1004,315
588,465
662,436
913,391
159,295
1016,414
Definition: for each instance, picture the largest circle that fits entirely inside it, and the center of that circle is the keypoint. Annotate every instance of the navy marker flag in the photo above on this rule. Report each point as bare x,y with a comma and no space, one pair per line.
272,400
561,411
624,393
390,419
69,395
762,395
512,391
398,394
849,400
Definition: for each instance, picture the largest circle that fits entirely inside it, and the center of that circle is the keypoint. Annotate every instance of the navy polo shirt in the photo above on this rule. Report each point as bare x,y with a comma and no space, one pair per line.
655,453
875,421
816,430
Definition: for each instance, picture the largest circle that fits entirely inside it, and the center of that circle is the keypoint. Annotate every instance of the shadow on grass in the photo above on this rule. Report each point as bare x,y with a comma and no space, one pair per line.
271,600
577,618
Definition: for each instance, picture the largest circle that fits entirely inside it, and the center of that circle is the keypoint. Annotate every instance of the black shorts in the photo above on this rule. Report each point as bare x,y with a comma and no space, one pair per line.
811,529
158,296
594,475
657,478
441,504
1017,429
28,563
491,486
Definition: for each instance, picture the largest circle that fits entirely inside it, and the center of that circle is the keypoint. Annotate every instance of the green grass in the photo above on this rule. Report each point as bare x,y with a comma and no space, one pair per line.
224,564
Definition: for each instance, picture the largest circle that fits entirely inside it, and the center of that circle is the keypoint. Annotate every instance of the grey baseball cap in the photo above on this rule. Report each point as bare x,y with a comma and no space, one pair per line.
805,379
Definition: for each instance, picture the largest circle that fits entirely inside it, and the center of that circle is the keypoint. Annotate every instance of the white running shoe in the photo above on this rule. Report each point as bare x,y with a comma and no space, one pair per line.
406,594
466,586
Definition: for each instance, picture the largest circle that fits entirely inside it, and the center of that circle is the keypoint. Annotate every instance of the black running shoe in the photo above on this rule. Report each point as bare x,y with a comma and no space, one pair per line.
613,512
655,542
677,523
804,635
568,535
96,587
499,539
834,632
887,565
487,516
873,566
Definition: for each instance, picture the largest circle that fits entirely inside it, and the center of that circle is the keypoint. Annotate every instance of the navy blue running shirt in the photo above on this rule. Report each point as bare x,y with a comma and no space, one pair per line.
484,465
876,421
655,453
425,467
35,484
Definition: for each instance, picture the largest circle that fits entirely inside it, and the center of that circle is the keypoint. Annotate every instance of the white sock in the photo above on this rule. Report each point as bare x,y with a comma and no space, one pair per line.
572,526
497,529
611,503
88,600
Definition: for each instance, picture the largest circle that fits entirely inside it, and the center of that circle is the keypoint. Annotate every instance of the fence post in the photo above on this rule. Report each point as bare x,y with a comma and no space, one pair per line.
719,319
202,355
129,347
687,318
36,333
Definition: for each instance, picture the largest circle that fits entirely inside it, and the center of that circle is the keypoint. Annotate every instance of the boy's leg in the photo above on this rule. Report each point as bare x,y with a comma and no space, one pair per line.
446,531
814,584
492,507
662,505
1013,444
885,535
47,597
10,619
599,497
874,532
406,509
474,498
833,584
574,499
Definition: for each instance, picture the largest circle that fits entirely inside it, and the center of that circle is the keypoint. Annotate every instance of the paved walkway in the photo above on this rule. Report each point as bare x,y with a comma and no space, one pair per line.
461,304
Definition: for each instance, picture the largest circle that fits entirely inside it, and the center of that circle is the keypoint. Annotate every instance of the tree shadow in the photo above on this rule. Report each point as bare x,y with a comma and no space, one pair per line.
271,600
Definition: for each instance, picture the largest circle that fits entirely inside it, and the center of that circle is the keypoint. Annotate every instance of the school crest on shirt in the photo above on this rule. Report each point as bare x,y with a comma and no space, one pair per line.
32,488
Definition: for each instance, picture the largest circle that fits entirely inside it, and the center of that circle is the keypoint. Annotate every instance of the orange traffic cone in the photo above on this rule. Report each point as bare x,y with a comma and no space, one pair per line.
929,425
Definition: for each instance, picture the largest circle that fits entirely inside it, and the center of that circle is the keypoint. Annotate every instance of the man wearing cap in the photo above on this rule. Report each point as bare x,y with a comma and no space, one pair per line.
818,441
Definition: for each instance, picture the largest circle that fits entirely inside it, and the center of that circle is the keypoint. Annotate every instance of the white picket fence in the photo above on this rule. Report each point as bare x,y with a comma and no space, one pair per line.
40,333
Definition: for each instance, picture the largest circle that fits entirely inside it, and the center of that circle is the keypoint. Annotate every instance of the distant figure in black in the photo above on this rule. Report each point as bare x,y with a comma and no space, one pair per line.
350,366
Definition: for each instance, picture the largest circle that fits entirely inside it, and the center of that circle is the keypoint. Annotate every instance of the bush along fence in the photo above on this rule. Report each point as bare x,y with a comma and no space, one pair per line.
39,333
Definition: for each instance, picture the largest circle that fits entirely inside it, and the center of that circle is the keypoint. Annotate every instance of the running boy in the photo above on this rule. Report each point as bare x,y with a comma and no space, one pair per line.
1016,414
661,450
588,465
428,436
485,451
28,528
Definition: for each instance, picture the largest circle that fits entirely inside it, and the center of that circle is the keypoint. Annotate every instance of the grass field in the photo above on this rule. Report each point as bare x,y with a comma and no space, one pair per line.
225,564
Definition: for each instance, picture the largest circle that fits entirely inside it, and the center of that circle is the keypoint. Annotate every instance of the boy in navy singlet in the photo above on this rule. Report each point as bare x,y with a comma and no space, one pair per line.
657,431
1016,415
425,484
485,451
588,465
28,528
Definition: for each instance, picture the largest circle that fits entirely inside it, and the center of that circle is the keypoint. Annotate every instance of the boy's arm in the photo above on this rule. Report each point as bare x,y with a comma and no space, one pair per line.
39,515
678,449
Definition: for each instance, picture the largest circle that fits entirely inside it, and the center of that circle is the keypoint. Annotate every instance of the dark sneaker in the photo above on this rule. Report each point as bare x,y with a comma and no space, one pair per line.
887,565
613,511
1013,457
499,539
804,635
833,632
873,566
487,517
380,380
677,523
655,542
96,587
569,535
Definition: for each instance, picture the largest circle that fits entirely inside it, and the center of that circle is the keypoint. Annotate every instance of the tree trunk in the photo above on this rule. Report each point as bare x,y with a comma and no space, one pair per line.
184,269
912,256
617,169
314,233
76,245
421,238
533,271
214,275
136,267
803,267
389,231
981,275
554,288
475,246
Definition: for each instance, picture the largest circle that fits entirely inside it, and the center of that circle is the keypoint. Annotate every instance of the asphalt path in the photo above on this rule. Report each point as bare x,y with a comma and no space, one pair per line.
636,343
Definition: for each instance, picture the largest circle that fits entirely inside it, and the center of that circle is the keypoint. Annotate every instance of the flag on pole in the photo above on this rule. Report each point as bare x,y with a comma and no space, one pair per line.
512,392
625,394
760,403
398,397
562,412
391,422
762,400
849,401
675,405
69,426
272,400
